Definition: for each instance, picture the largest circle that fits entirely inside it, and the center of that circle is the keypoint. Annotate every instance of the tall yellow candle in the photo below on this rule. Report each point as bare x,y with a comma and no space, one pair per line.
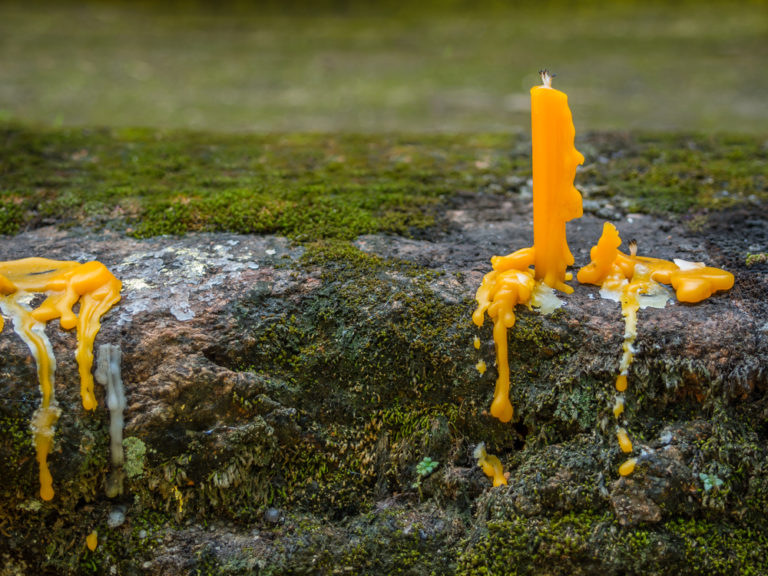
555,202
555,199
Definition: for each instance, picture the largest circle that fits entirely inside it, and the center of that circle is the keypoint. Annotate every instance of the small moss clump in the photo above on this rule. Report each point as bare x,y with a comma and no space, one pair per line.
753,259
135,451
11,216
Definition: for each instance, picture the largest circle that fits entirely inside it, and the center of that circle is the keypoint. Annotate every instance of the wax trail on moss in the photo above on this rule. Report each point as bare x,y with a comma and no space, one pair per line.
636,282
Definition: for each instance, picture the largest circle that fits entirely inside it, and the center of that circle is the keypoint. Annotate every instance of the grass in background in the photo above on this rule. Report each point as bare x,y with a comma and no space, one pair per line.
343,66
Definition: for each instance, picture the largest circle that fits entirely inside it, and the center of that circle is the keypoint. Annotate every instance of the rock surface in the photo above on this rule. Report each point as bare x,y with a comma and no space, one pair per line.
280,397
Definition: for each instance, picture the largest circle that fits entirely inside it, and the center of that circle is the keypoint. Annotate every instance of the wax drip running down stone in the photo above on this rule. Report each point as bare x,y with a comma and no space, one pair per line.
635,282
65,284
490,464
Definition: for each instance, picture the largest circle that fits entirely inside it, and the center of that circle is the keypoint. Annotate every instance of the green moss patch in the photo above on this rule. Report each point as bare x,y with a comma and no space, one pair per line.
587,543
303,186
672,173
311,186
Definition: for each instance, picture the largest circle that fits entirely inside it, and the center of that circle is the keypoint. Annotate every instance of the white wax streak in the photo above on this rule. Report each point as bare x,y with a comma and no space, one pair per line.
479,452
686,265
544,299
108,375
15,306
656,297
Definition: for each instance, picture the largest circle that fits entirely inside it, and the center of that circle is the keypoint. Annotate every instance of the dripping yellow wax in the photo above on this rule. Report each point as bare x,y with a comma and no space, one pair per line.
624,442
491,465
92,540
65,284
628,278
628,467
692,281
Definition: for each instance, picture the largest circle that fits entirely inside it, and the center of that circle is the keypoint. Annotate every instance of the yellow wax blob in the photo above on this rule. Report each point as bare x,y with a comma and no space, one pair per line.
628,467
481,367
92,540
634,281
555,199
65,284
624,442
491,465
692,281
476,343
699,282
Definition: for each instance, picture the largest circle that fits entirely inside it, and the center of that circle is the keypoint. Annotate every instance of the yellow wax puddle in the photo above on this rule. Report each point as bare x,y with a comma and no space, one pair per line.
636,282
692,281
92,540
64,284
481,367
491,465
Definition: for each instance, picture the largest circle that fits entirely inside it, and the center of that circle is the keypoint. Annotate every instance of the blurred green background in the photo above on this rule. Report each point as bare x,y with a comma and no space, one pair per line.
390,66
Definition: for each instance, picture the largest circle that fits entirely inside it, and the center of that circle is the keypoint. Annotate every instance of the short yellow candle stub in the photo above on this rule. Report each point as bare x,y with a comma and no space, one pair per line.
491,465
65,284
555,199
